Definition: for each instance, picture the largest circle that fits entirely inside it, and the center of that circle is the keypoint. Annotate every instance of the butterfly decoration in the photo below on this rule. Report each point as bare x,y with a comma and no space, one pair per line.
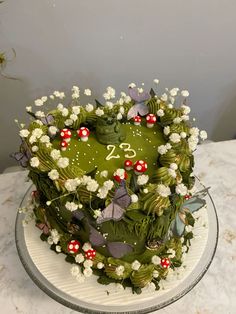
189,206
139,108
116,209
47,120
23,156
116,249
43,227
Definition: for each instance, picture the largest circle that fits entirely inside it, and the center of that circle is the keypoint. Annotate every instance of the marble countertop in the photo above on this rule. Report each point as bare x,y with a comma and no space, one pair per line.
215,166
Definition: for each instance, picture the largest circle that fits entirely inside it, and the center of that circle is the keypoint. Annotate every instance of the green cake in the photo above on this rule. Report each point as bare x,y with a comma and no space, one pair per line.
114,181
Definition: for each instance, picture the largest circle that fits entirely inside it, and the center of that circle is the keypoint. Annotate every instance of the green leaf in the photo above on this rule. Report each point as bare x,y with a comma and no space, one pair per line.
189,219
104,280
152,93
70,259
32,114
133,183
43,237
92,173
135,215
98,103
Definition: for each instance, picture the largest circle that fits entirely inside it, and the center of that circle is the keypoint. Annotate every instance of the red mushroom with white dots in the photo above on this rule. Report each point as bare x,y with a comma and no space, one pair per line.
90,254
64,145
140,167
119,175
151,120
73,246
128,164
65,135
137,120
165,262
83,133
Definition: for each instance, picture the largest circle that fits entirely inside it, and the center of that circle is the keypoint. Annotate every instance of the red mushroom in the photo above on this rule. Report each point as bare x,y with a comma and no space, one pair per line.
64,145
119,175
128,164
165,262
83,133
90,254
140,167
151,120
137,120
65,135
187,197
73,246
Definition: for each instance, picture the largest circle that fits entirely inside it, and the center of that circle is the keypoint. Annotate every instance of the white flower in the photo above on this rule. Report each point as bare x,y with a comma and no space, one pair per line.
173,166
76,110
37,132
155,274
183,134
92,185
142,179
184,93
99,112
172,173
63,162
97,213
71,184
55,236
38,102
120,173
89,107
104,173
168,146
119,116
87,92
24,133
28,108
109,105
73,117
121,101
156,260
75,95
65,112
39,114
181,189
163,190
32,139
100,265
87,246
145,191
50,240
192,142
53,174
75,89
106,96
203,135
122,110
52,97
108,184
140,90
172,100
127,99
79,258
166,130
170,106
164,97
120,270
135,265
156,81
69,122
188,228
35,148
34,162
60,107
71,206
58,248
185,117
45,139
175,138
171,253
194,131
88,263
134,198
111,92
174,91
55,154
102,193
186,109
160,113
52,130
88,272
177,120
61,95
75,270
162,150
132,85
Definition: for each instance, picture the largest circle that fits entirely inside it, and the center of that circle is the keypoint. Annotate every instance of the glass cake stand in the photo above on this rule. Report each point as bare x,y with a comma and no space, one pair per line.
51,273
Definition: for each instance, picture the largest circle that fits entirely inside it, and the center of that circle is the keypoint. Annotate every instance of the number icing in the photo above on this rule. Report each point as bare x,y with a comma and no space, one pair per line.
125,147
128,149
110,156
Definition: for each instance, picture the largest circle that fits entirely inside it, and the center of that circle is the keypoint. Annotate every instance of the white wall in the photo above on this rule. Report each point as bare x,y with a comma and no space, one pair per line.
190,44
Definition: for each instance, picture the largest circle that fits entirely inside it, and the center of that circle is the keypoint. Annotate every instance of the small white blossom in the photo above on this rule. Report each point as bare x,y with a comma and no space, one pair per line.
173,166
35,148
37,132
185,117
92,185
145,191
135,265
50,240
87,246
52,130
39,114
134,198
183,134
168,146
52,97
160,113
87,92
122,110
45,139
38,102
69,122
162,150
170,106
58,248
88,263
155,274
142,179
181,189
119,270
88,272
34,162
192,142
71,206
109,105
166,130
177,120
75,95
104,173
53,174
73,117
65,112
61,95
132,85
100,265
79,258
24,133
172,173
28,108
174,91
60,107
175,138
97,212
185,93
156,81
119,116
32,139
186,109
75,270
99,112
194,131
163,190
156,260
63,162
55,236
108,184
121,101
203,135
89,107
164,97
55,154
127,99
171,253
76,110
71,184
172,100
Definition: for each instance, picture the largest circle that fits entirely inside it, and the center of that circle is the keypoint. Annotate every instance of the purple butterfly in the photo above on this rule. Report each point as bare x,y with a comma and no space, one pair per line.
23,155
116,209
48,120
140,107
43,227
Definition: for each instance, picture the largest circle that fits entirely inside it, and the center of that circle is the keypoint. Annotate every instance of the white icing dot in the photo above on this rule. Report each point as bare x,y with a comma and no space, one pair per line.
71,246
